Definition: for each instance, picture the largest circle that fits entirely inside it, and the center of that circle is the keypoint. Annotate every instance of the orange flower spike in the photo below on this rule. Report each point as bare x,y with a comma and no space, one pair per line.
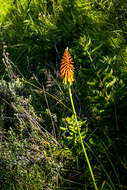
67,68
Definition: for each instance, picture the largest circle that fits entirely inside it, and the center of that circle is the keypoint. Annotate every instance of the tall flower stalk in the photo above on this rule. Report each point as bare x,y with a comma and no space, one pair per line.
67,74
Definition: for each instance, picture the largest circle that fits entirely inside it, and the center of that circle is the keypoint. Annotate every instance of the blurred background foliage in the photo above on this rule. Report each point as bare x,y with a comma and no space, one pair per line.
33,99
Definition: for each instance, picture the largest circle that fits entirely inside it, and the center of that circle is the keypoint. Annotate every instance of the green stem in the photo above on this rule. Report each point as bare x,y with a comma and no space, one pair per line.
83,147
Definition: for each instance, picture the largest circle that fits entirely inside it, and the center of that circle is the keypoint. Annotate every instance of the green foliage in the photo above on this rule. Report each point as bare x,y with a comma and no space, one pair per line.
71,137
36,33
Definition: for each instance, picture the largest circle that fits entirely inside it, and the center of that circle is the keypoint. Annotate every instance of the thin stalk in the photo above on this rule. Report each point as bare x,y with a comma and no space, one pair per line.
83,147
43,91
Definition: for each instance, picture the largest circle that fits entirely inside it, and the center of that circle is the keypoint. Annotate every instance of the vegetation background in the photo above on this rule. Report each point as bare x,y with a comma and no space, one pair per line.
39,148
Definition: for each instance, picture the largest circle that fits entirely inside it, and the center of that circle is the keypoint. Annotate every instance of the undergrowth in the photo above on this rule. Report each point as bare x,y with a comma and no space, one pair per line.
39,146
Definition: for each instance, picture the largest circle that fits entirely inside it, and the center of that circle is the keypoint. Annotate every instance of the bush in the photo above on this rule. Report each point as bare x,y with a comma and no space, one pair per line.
27,158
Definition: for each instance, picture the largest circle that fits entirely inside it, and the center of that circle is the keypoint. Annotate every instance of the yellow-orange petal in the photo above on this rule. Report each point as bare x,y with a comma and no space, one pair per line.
67,68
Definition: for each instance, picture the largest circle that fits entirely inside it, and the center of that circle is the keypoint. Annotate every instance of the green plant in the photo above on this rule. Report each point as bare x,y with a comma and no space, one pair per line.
36,32
67,73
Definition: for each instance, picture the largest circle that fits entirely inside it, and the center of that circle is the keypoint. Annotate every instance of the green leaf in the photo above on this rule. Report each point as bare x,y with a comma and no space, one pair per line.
98,47
111,83
108,75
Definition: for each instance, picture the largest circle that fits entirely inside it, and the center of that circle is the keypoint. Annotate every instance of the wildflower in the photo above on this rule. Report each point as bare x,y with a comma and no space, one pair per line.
67,68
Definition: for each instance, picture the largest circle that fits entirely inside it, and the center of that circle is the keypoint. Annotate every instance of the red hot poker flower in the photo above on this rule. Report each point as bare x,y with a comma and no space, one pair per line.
67,68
